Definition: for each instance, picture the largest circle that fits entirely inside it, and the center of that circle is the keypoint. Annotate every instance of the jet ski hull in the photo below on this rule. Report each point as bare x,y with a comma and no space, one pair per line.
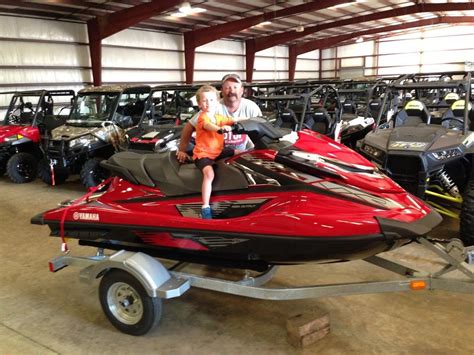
266,230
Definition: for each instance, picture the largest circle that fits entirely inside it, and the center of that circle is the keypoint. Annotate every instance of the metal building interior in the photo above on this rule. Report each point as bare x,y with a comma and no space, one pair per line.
59,45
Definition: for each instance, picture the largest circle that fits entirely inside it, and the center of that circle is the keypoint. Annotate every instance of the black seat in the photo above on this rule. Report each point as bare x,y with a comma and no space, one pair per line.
414,113
319,121
455,114
349,107
374,107
287,119
173,178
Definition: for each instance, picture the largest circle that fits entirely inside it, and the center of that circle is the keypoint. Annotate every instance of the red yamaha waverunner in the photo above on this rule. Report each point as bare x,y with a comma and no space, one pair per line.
281,203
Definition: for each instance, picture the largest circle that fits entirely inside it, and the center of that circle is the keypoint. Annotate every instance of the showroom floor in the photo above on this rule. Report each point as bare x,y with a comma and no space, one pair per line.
46,313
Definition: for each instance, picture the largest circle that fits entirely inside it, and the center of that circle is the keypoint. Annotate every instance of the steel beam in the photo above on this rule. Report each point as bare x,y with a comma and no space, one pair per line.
213,33
104,26
123,19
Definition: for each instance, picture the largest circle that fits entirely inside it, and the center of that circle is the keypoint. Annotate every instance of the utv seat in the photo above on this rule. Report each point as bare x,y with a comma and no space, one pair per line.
319,121
449,99
375,105
286,118
414,113
349,107
455,113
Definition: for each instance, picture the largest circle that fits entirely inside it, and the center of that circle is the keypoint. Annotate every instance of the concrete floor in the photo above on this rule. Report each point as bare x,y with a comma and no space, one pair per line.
46,313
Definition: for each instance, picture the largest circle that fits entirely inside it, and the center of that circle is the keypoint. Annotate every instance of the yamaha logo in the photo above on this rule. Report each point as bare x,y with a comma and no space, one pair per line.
85,216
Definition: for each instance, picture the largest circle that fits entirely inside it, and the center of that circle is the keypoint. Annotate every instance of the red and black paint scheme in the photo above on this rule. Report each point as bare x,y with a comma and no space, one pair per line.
30,116
314,200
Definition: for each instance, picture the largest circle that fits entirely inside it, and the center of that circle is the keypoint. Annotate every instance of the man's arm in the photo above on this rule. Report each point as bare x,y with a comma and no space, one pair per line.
186,134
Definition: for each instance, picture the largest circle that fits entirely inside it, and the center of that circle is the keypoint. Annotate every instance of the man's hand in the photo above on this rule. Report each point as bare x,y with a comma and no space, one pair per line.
182,156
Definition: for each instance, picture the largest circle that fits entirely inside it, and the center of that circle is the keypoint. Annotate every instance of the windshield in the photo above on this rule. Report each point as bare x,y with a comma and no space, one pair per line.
174,105
22,110
93,108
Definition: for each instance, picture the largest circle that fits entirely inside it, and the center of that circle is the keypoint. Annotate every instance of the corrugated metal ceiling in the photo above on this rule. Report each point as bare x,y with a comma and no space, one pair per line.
343,18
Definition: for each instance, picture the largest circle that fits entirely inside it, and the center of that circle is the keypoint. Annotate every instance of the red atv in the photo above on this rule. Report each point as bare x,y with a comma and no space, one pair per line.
30,115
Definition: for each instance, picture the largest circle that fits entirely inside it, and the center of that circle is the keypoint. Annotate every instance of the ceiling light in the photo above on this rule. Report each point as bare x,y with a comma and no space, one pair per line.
264,23
359,40
341,5
299,28
178,14
185,9
349,3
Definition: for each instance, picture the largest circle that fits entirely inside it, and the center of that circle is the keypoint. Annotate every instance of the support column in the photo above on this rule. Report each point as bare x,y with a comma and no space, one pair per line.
249,59
189,55
291,62
320,71
95,49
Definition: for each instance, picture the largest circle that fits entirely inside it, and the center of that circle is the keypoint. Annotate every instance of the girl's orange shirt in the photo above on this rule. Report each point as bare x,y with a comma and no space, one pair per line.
209,144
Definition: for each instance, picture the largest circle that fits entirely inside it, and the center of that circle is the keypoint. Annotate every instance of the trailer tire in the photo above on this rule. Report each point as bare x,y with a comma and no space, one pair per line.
466,226
22,168
92,174
126,303
44,173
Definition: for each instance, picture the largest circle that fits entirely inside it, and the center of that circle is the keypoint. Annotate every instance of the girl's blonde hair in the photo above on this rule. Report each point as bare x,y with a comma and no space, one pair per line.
206,88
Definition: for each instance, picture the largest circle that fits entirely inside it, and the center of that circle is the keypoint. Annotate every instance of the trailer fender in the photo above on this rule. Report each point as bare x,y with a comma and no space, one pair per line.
154,277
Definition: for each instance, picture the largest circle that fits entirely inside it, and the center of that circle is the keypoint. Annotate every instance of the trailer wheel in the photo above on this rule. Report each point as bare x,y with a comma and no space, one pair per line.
92,174
126,303
44,172
22,168
466,227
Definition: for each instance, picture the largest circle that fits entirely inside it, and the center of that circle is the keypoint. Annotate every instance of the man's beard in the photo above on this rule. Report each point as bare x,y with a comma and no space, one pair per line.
232,95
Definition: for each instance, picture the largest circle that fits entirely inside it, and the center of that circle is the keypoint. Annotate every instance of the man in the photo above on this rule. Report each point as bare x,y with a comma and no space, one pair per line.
232,105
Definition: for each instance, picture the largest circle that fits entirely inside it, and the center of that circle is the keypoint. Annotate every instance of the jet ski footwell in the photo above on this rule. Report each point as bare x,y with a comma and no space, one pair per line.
133,283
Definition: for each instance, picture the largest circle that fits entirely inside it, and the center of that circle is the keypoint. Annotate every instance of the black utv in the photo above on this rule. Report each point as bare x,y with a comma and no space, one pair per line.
170,106
316,109
428,145
95,129
360,104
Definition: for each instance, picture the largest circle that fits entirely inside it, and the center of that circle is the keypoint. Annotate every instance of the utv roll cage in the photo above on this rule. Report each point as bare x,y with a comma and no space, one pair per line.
414,84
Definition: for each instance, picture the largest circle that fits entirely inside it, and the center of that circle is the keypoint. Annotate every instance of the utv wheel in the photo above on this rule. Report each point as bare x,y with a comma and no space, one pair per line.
22,167
126,303
466,227
44,172
92,174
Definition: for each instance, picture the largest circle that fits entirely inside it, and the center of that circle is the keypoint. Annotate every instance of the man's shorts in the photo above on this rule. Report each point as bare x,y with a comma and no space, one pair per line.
203,162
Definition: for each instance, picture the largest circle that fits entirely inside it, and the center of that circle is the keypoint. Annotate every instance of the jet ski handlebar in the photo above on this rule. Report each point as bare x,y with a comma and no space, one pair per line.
257,129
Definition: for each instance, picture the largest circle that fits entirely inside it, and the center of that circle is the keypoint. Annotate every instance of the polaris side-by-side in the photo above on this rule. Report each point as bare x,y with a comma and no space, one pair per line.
428,145
95,129
30,116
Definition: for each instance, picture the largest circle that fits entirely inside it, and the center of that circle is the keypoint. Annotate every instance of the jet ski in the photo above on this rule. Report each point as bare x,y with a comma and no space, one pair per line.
313,200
